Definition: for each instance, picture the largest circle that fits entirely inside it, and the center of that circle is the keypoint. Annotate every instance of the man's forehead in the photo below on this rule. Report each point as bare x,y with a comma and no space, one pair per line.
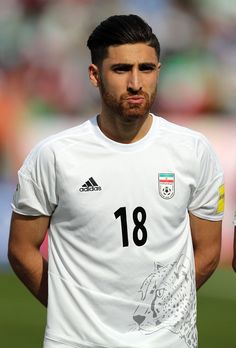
131,53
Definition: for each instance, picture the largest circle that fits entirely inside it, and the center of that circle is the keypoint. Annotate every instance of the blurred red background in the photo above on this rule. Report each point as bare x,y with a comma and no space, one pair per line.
44,86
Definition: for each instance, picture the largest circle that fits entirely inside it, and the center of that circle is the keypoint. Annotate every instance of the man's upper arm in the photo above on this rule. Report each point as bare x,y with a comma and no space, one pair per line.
27,231
206,237
206,234
26,235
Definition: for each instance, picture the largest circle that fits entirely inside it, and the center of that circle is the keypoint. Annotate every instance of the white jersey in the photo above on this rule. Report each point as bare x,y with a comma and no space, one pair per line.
121,265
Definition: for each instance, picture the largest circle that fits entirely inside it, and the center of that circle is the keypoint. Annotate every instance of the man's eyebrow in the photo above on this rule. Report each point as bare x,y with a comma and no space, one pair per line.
128,65
121,65
148,64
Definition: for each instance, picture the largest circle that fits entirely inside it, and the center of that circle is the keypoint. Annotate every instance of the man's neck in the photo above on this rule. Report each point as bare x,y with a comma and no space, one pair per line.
124,130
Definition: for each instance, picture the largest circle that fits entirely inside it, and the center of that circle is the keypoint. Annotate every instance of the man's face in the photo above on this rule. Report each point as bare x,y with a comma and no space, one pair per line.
127,80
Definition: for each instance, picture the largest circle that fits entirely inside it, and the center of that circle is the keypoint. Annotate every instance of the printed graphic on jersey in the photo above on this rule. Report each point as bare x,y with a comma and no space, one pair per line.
90,185
166,185
221,201
168,300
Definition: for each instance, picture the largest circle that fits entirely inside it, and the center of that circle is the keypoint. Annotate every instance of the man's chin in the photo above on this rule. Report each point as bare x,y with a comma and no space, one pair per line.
135,113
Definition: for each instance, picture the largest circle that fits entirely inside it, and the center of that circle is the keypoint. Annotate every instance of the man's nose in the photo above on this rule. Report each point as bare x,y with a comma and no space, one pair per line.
134,82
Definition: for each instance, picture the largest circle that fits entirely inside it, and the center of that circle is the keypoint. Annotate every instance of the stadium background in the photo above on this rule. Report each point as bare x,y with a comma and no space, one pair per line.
44,88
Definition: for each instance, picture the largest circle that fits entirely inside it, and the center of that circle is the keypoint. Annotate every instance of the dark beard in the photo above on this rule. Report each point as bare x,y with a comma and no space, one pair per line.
123,108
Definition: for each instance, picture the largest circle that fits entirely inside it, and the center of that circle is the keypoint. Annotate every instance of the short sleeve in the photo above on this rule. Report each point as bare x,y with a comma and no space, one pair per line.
207,198
36,189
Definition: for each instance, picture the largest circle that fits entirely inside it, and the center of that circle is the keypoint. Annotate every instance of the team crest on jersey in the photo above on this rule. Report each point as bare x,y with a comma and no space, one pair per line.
166,185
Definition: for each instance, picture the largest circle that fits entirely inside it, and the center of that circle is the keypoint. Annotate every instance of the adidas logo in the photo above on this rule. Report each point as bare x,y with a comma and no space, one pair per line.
90,185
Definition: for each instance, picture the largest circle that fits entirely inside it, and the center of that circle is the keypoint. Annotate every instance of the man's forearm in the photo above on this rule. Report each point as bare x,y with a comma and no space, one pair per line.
205,267
32,270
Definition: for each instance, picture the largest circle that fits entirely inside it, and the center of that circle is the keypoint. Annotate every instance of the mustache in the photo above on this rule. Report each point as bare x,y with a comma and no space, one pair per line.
132,93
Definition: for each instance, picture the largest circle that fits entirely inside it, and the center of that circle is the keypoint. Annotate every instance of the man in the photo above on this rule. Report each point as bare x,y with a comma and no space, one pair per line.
133,205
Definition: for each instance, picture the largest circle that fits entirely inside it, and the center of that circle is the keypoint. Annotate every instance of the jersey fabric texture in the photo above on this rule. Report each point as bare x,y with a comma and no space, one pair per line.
121,265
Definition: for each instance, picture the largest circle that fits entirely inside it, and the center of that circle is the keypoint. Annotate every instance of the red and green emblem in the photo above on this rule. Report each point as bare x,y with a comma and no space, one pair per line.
166,185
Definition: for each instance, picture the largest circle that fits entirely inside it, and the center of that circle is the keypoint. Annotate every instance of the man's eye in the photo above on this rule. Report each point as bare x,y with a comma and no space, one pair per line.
121,69
147,68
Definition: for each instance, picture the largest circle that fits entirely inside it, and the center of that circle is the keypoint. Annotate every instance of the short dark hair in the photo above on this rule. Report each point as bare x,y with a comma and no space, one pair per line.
119,30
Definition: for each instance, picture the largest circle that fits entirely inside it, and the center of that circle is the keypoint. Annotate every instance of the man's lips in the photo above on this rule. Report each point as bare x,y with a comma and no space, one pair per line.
135,99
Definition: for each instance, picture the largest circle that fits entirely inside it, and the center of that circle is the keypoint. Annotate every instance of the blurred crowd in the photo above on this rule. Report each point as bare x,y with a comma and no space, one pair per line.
44,85
44,59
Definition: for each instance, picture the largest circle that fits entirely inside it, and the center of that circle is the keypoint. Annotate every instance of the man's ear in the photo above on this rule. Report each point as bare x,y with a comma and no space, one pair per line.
94,75
158,69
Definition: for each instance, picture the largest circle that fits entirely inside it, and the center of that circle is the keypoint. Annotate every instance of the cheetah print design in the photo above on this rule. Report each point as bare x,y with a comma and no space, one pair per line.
168,300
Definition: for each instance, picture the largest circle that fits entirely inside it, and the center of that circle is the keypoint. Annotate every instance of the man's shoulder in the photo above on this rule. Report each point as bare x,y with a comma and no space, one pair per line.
57,143
66,137
180,134
175,128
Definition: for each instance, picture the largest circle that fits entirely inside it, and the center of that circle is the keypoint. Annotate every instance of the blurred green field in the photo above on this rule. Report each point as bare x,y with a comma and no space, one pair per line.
22,318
